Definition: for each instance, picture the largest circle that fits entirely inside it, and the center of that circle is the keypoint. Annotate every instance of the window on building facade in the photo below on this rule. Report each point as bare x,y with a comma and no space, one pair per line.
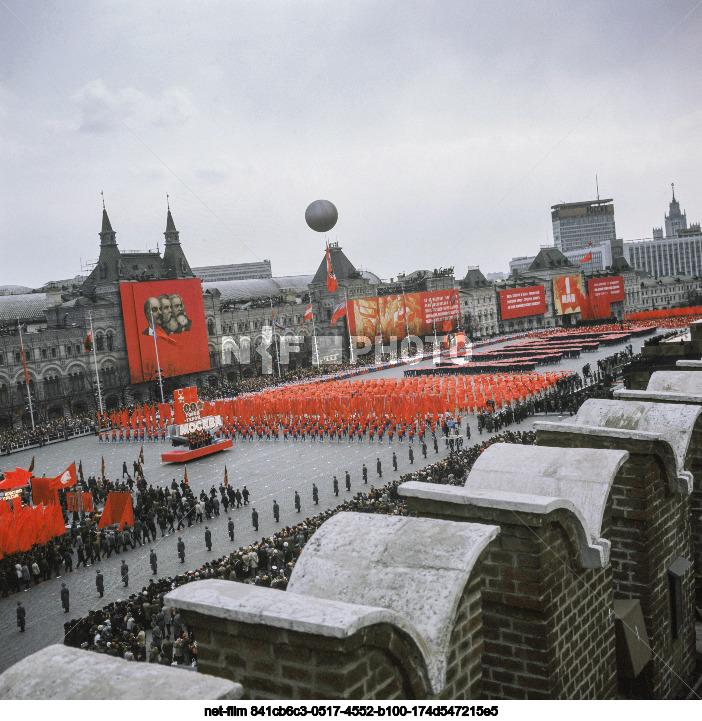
4,395
52,387
68,350
99,342
110,341
44,354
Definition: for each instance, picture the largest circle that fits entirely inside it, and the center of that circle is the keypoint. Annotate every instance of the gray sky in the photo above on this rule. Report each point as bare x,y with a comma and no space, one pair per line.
443,132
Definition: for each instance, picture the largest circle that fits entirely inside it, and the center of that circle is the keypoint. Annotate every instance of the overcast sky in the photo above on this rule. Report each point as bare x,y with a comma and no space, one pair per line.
442,131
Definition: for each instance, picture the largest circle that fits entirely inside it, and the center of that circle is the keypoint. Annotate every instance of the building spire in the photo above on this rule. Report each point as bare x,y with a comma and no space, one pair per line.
106,225
672,185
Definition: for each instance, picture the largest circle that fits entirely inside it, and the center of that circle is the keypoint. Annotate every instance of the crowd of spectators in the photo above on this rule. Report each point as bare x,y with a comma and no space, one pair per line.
51,430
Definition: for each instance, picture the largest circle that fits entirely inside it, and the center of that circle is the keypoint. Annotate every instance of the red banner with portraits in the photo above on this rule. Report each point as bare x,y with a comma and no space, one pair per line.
395,315
173,311
521,302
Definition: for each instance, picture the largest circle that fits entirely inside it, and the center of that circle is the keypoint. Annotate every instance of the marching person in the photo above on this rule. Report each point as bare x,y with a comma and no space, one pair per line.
245,495
230,528
208,539
99,583
64,598
181,549
153,560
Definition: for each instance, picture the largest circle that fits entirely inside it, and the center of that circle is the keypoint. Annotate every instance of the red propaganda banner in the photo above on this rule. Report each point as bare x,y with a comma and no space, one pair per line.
520,302
118,509
65,480
610,289
186,405
174,310
44,492
395,315
567,294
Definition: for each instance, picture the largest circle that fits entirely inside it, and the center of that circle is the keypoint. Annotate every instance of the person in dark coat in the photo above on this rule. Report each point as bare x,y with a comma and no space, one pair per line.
208,539
336,486
99,583
276,511
254,520
436,445
348,481
153,560
181,549
379,467
21,616
125,472
124,571
64,598
230,528
394,461
365,473
315,494
411,456
245,495
298,504
424,449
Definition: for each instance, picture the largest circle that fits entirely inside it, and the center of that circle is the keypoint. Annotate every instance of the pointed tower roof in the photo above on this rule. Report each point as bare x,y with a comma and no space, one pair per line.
170,225
106,225
343,267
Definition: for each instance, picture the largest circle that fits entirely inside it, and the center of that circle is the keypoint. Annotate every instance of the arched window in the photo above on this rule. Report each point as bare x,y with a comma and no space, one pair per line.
100,342
110,341
77,382
210,327
4,395
52,387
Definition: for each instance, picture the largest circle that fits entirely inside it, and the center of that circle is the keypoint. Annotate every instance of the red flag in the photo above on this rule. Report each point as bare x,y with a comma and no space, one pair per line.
66,479
15,479
339,312
308,313
160,333
587,258
331,277
24,363
88,342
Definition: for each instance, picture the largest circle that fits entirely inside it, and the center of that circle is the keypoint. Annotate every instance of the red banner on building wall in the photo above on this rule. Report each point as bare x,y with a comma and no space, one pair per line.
567,294
176,310
395,315
609,289
520,302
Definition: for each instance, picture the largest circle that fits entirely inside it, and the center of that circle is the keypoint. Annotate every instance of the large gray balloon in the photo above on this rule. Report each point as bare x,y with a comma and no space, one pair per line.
321,216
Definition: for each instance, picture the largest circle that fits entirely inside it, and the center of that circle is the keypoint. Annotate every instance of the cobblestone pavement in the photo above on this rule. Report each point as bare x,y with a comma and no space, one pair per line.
271,470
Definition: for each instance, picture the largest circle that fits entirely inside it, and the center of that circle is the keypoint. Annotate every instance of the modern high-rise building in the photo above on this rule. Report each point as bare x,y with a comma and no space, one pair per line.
578,225
237,271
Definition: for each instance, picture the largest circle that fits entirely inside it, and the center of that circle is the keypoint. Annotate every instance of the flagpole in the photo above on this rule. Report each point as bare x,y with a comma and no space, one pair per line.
277,348
26,375
97,375
404,310
314,333
158,363
348,325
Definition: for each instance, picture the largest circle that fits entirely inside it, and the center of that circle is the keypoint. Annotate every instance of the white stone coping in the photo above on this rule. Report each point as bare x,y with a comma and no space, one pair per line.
676,382
666,426
415,567
696,364
63,673
540,480
659,396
